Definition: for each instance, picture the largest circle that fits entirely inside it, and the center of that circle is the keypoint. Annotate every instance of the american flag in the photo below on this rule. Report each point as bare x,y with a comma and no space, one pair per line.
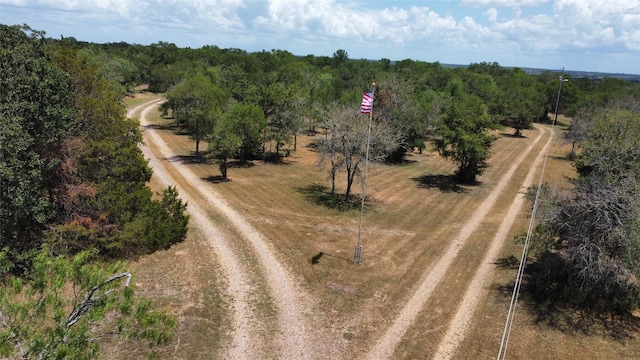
367,103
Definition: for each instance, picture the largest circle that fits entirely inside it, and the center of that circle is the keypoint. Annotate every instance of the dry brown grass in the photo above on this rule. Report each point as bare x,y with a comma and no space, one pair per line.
412,211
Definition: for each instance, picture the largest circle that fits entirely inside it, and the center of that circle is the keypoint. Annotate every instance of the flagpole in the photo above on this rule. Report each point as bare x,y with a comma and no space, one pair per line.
357,254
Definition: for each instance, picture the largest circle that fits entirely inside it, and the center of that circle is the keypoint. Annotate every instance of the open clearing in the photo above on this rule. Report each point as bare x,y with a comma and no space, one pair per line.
243,284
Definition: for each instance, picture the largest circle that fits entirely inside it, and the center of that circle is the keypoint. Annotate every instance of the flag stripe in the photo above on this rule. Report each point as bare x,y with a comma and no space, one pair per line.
367,103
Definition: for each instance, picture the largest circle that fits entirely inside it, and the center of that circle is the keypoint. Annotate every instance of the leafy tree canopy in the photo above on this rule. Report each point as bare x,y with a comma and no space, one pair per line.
40,317
463,133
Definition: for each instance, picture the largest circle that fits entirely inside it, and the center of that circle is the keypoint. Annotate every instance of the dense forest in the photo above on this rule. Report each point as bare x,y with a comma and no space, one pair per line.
72,179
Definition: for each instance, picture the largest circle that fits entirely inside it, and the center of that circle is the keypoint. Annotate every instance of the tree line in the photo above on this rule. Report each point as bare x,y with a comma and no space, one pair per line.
293,93
73,179
262,100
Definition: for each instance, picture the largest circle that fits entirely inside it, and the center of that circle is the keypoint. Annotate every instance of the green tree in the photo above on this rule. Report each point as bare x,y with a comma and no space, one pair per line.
524,100
279,104
340,57
164,76
578,130
197,103
463,134
325,89
396,105
236,83
41,318
103,202
237,133
588,239
572,98
36,115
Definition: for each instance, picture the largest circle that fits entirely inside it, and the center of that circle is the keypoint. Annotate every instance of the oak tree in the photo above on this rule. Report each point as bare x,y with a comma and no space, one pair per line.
463,134
345,145
197,103
588,238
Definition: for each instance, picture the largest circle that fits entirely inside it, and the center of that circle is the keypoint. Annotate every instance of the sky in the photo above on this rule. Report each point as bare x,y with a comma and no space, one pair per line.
580,35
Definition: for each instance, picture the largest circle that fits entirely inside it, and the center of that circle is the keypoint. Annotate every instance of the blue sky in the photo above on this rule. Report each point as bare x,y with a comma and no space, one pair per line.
589,35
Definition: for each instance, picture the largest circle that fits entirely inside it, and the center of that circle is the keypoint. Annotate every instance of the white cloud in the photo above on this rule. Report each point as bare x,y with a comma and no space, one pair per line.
323,16
502,3
492,14
468,30
601,23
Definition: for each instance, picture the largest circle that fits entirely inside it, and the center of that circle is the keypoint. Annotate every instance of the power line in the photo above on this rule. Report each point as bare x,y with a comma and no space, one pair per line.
502,352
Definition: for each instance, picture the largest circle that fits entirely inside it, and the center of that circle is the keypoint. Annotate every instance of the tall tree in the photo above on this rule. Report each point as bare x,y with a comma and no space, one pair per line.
237,133
463,134
328,155
197,103
103,202
279,104
340,56
36,114
524,100
397,107
578,130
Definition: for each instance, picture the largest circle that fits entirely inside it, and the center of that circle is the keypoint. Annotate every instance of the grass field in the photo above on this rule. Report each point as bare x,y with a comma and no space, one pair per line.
413,210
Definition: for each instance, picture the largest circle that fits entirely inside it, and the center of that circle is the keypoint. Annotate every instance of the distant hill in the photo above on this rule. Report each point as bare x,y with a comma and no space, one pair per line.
588,74
573,73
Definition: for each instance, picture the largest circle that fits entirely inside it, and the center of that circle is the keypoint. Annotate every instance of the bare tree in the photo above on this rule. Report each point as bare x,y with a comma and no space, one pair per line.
578,130
589,237
345,145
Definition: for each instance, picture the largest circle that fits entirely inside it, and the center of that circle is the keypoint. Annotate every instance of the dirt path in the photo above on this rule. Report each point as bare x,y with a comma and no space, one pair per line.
478,287
292,336
290,332
385,346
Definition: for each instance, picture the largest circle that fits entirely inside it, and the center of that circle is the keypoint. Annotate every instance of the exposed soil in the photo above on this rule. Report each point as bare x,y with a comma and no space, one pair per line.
255,273
289,331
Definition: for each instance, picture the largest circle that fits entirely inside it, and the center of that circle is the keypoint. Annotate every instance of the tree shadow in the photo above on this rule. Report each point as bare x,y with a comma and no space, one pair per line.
240,164
320,195
509,262
166,126
567,318
446,183
281,158
513,135
216,179
313,146
401,162
190,159
565,158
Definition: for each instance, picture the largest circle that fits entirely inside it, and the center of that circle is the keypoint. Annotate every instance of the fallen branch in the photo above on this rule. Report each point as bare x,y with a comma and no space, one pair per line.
90,300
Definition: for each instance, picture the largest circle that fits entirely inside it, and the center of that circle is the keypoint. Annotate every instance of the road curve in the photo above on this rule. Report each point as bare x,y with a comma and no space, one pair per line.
291,335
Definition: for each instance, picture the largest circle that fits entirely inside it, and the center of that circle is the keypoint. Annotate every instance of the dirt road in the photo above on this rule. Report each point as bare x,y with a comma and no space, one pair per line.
293,337
289,332
385,346
478,286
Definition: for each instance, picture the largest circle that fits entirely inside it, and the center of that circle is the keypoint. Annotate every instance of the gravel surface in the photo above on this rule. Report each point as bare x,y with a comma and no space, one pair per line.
385,346
478,287
295,309
290,331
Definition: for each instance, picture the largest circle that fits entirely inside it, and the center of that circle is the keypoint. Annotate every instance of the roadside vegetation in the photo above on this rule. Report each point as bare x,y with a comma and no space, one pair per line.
72,196
281,137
